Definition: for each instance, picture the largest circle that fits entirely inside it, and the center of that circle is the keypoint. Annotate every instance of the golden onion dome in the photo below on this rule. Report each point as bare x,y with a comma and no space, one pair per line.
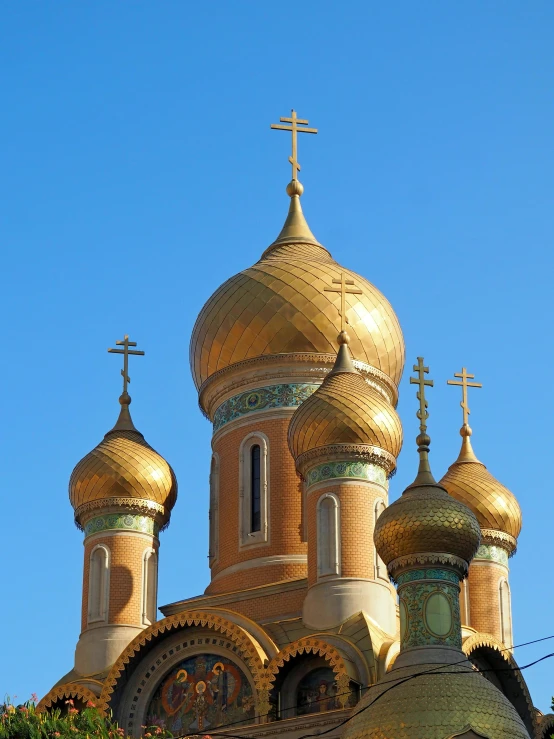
123,470
469,481
280,306
345,410
426,519
435,706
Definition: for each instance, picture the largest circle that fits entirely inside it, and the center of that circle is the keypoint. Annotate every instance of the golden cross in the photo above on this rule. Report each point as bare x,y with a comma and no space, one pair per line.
464,384
294,124
420,380
125,351
344,289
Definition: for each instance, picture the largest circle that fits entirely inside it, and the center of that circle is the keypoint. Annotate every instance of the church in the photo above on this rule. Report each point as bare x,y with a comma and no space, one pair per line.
329,611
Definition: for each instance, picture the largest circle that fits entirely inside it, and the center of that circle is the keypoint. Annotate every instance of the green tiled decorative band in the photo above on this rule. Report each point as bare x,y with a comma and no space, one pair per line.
128,522
274,396
427,574
350,470
429,614
492,554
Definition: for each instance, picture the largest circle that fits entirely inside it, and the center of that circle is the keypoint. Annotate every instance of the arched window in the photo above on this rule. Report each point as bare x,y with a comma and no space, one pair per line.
98,584
149,587
505,612
328,536
380,567
213,553
254,489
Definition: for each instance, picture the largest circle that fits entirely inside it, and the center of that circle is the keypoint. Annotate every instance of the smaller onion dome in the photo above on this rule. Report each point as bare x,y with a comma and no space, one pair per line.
426,519
123,470
346,410
495,507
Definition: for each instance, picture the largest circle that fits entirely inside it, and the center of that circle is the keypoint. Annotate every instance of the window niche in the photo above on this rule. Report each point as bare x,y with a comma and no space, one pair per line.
254,490
213,554
328,536
149,587
379,567
98,584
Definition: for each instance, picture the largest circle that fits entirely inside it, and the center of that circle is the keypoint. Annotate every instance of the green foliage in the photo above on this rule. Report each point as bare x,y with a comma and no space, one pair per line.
24,722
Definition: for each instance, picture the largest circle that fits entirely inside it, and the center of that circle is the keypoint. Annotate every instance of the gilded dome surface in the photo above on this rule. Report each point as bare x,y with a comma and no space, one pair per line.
469,481
123,465
426,519
345,410
280,306
434,706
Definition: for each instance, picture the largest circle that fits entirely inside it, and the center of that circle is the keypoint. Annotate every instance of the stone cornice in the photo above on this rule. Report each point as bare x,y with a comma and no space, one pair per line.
427,558
346,452
268,368
108,506
499,539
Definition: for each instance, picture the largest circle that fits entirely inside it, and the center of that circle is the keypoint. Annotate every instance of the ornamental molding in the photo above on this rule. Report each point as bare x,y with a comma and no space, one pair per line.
427,558
121,522
487,641
544,724
346,470
139,506
499,539
277,396
250,652
68,691
225,380
346,452
308,645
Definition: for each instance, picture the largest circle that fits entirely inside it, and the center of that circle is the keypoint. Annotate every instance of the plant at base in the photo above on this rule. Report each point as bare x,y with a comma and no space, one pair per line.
25,722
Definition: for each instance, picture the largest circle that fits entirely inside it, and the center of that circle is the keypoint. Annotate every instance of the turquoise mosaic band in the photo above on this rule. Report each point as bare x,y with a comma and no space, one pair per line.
127,522
264,398
492,554
427,574
349,470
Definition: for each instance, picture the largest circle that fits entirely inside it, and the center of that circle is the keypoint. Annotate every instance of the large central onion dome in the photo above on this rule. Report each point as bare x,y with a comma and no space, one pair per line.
280,306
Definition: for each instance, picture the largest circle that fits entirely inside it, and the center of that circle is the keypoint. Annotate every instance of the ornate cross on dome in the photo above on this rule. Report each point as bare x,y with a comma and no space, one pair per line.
464,384
126,351
344,290
294,127
420,380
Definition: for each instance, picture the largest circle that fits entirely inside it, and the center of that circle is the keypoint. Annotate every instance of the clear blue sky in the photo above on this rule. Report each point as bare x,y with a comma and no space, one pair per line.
138,172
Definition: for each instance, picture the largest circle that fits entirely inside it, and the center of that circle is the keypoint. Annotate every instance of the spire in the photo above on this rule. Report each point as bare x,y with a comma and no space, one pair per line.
466,452
343,362
296,228
423,440
124,421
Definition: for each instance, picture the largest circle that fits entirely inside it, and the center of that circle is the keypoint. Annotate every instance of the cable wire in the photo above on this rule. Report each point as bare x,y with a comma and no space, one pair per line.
395,683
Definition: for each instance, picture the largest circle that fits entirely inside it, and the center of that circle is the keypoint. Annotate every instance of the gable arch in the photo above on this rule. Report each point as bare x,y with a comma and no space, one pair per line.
247,647
487,653
65,692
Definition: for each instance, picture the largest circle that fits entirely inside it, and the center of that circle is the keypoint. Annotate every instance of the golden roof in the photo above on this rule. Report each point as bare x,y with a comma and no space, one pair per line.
435,706
469,481
279,306
345,410
123,467
426,519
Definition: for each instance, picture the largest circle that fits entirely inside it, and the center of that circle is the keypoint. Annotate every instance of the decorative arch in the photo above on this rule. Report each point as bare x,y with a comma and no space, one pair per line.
308,645
545,726
68,691
249,650
513,685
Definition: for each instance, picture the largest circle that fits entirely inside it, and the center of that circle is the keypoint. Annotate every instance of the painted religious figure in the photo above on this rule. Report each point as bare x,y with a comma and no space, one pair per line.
316,692
202,692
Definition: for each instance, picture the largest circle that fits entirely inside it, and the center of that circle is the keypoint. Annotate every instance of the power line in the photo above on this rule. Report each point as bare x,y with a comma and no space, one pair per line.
396,683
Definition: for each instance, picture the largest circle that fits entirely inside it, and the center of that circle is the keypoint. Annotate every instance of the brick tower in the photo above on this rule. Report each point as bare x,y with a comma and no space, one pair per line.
122,493
485,597
345,440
